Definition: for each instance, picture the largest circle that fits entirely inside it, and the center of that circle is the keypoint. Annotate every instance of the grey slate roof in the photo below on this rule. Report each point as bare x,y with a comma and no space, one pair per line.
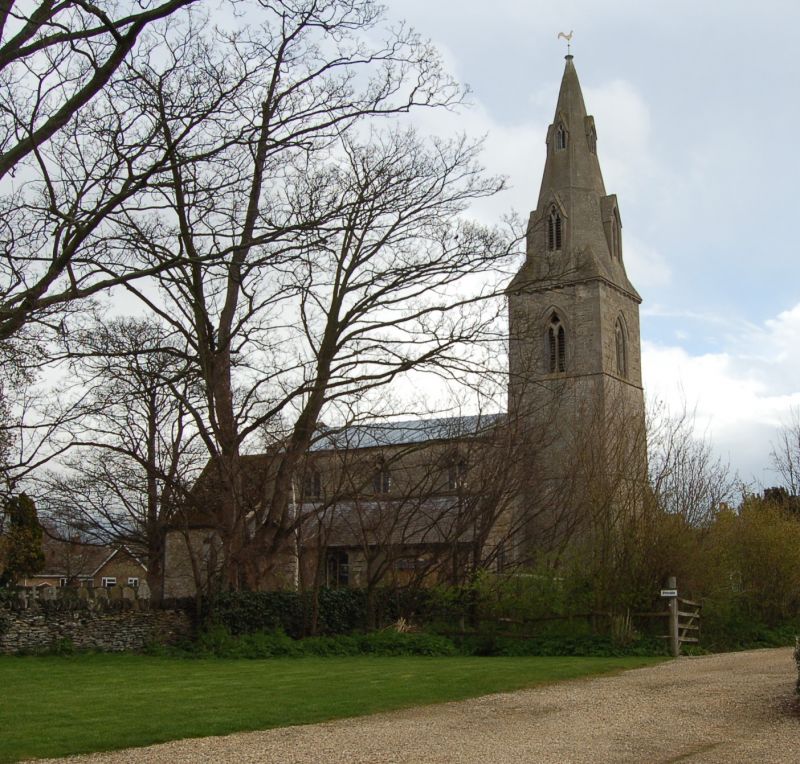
384,434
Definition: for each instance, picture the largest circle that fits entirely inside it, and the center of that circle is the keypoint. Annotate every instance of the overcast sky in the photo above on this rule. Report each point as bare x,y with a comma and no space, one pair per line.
697,108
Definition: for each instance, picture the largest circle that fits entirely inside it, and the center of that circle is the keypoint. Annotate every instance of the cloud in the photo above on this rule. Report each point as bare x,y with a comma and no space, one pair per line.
741,395
623,124
646,267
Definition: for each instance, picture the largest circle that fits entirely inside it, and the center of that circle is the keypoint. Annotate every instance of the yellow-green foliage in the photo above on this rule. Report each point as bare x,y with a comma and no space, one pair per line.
757,559
742,564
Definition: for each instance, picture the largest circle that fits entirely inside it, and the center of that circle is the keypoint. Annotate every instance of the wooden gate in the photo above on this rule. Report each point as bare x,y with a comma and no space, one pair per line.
687,617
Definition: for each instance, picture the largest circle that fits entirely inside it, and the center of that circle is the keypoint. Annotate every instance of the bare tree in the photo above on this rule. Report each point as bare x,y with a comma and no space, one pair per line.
412,503
324,259
686,477
128,473
68,151
786,453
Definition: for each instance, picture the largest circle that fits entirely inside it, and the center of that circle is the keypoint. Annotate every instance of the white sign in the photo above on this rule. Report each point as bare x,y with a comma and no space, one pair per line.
669,592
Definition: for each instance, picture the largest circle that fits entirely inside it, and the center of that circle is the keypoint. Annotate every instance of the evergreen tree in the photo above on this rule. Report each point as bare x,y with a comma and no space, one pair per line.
21,552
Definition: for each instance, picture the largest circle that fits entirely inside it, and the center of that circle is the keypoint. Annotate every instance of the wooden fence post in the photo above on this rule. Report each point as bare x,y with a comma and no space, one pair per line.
674,639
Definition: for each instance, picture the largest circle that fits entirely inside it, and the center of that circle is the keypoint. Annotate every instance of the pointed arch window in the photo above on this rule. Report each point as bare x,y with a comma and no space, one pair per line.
554,230
556,345
622,348
561,138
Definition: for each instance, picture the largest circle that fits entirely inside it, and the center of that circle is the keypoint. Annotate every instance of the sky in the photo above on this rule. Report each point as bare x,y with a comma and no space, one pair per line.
694,104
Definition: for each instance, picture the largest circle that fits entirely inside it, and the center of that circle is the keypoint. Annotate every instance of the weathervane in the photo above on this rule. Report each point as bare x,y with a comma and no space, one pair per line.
568,38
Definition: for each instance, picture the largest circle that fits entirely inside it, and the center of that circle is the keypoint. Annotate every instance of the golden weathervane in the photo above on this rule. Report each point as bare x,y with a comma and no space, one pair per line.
567,37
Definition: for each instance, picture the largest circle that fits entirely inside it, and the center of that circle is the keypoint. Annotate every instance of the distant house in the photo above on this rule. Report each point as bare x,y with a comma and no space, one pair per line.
75,563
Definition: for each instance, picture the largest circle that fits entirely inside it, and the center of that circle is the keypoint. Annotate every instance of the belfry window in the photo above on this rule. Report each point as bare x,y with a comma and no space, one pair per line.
554,230
622,350
556,345
561,138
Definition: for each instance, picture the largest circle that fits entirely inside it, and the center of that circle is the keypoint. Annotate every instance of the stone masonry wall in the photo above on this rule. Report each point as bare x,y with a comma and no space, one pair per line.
112,627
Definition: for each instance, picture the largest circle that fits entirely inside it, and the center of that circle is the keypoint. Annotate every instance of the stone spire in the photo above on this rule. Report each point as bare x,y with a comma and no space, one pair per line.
575,379
576,165
575,232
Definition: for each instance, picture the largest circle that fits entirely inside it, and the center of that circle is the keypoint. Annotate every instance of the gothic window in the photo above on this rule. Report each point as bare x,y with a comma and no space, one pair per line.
554,230
561,138
312,488
556,345
592,138
622,350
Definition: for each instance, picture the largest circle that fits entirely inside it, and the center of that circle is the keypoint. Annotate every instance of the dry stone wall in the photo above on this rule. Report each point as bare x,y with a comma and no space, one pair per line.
124,623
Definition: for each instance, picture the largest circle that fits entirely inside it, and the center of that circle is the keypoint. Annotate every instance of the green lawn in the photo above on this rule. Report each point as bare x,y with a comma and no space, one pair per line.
57,706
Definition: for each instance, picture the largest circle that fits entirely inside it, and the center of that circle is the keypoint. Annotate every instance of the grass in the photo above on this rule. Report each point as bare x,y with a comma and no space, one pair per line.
54,706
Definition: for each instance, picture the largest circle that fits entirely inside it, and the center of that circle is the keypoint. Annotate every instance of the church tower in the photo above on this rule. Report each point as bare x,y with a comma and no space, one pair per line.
574,352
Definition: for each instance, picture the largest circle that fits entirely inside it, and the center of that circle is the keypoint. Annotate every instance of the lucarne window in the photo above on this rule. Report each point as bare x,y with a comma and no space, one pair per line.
554,230
616,235
561,138
622,350
557,345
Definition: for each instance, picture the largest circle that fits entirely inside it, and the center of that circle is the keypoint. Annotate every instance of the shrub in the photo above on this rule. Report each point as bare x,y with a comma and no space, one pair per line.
391,642
218,641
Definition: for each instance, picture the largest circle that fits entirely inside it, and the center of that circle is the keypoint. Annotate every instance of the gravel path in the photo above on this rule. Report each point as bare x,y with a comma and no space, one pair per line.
735,707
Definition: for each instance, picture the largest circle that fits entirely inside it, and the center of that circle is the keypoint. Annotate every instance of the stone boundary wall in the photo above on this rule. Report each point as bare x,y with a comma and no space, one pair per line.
35,625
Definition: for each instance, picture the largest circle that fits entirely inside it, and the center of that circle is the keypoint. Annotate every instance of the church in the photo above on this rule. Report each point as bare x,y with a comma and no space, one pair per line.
433,500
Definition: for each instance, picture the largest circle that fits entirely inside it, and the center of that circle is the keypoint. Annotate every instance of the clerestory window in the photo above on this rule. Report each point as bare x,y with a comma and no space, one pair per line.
457,475
312,488
556,345
382,480
554,230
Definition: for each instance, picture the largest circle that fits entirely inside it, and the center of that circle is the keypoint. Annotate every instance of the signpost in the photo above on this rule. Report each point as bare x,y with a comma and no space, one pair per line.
671,592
